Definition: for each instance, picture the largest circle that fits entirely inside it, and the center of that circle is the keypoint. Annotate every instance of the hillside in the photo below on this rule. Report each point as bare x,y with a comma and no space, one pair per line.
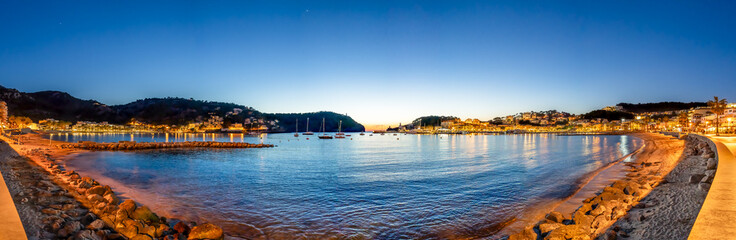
432,120
170,111
659,106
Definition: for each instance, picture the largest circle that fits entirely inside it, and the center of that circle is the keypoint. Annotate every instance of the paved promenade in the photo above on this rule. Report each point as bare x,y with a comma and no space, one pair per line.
10,225
717,217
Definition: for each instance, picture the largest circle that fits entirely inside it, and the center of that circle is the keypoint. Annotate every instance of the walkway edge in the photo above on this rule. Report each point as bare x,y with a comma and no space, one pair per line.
10,225
717,216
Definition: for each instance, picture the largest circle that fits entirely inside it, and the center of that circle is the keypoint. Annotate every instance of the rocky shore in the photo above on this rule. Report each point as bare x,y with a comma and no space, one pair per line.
57,204
126,145
594,218
670,210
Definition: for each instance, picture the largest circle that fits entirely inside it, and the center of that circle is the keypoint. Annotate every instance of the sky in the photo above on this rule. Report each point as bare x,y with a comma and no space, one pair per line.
381,62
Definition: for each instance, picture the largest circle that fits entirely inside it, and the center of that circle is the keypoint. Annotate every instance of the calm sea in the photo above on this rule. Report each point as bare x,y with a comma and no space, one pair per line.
381,187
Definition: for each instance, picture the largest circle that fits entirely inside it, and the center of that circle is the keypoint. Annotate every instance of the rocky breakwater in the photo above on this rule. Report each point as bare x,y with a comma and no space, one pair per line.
126,145
669,211
109,218
596,214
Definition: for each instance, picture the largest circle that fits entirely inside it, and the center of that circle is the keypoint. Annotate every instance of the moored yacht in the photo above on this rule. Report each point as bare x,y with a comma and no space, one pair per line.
307,132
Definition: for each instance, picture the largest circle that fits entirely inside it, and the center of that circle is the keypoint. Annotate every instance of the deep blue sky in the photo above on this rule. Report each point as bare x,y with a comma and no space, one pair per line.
380,62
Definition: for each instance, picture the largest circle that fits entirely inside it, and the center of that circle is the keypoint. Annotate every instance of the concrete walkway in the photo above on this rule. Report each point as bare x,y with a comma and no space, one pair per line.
10,225
717,217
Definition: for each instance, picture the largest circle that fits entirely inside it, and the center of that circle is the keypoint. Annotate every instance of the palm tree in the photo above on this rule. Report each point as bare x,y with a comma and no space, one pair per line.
717,106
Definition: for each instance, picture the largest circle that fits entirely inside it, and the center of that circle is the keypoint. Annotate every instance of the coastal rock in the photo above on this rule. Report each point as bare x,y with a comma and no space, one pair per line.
548,227
88,218
695,178
121,215
711,164
129,231
162,229
182,228
527,234
111,198
555,217
86,235
128,206
96,224
145,215
567,232
600,209
101,205
99,190
582,220
70,228
709,175
141,237
50,211
94,198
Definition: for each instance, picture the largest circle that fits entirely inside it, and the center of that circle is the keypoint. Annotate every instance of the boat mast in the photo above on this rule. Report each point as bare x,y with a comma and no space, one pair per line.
307,124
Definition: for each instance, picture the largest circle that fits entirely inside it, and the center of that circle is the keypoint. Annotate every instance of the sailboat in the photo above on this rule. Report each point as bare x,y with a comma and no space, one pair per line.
307,132
324,136
339,133
296,132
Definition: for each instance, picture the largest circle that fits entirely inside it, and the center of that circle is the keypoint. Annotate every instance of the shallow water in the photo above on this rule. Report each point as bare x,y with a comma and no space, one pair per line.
419,186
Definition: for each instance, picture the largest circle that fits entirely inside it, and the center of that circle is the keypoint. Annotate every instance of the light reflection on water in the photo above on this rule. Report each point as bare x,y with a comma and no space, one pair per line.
421,186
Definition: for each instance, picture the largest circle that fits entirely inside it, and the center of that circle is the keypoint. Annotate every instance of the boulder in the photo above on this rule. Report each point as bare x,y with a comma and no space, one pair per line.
50,211
526,234
548,227
162,229
600,221
141,237
99,190
95,198
96,224
182,228
121,215
145,215
111,198
600,209
86,235
555,217
695,178
128,206
709,176
711,164
70,228
88,218
129,231
567,232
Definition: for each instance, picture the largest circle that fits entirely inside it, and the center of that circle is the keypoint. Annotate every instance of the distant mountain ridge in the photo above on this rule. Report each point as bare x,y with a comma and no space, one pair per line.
171,111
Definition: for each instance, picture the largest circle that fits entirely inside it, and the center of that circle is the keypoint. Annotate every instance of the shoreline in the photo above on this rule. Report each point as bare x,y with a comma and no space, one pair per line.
595,214
84,195
57,155
567,205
